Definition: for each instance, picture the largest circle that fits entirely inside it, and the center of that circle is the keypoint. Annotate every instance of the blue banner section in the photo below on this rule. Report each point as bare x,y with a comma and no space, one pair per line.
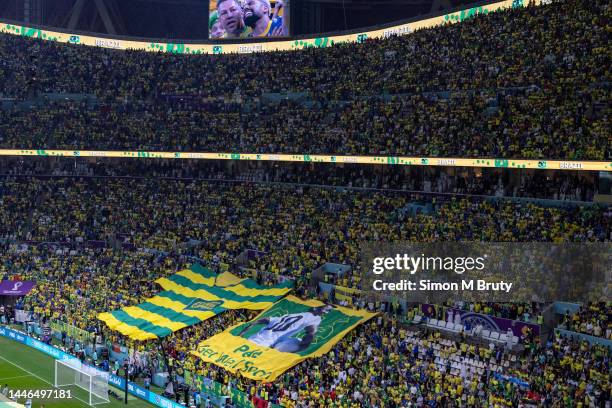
511,379
113,380
563,307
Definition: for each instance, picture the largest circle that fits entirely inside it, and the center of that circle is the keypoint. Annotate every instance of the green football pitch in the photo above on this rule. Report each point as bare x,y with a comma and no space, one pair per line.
23,368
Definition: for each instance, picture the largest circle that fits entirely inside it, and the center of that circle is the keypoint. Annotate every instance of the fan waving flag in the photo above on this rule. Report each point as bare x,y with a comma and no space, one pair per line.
189,297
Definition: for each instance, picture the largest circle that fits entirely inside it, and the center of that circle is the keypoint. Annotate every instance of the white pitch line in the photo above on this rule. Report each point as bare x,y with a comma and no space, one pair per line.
12,378
40,378
23,369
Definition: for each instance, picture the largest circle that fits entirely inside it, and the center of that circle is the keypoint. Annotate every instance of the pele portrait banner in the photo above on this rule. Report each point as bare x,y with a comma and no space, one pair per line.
287,333
189,297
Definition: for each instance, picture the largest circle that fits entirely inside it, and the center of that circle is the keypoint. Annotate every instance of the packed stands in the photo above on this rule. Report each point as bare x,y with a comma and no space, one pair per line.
486,124
593,318
524,83
552,185
421,365
243,216
95,234
563,42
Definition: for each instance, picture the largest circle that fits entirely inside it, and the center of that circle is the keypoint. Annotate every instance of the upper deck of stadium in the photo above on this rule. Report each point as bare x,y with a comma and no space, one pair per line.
521,83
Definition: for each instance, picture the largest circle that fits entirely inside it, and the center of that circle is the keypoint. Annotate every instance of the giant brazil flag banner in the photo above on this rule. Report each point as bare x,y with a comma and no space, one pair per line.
282,336
189,297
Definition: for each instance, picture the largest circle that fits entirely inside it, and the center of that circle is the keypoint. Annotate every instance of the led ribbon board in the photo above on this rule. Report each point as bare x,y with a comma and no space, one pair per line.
539,164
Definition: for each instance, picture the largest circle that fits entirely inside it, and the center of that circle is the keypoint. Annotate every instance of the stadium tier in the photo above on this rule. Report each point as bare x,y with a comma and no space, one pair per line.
296,231
248,273
483,124
521,83
132,207
546,184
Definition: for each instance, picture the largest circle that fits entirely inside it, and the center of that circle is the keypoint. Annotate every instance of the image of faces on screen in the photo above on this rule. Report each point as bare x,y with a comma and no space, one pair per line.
234,19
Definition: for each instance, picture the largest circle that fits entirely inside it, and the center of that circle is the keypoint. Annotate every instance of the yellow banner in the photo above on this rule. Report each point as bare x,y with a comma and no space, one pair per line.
72,331
289,332
346,294
189,297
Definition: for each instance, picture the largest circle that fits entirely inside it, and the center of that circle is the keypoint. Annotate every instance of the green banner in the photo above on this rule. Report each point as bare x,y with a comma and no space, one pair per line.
190,297
287,333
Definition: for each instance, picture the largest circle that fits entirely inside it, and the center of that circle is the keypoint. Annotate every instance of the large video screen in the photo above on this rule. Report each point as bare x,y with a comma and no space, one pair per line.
235,19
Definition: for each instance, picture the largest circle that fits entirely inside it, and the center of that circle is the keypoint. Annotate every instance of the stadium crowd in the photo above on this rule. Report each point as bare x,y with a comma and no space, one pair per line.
529,123
528,82
593,318
551,185
419,367
382,364
297,231
519,311
560,43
